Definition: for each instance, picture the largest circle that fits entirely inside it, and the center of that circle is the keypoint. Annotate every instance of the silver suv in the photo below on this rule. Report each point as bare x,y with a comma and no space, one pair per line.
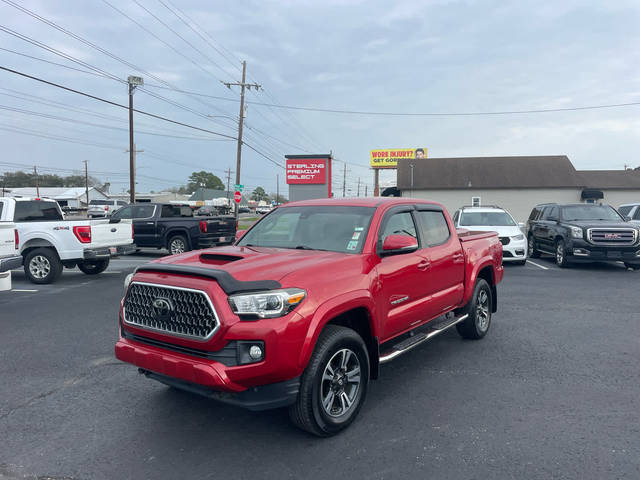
104,208
632,211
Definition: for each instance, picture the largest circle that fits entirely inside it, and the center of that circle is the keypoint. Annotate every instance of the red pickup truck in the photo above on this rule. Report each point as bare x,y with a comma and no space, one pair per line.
306,306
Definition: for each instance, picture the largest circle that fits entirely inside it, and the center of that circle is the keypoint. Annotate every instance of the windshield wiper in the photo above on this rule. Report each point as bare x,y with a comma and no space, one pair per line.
306,247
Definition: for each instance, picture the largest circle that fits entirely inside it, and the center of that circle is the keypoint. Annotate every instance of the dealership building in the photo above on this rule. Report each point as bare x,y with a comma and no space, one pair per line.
514,183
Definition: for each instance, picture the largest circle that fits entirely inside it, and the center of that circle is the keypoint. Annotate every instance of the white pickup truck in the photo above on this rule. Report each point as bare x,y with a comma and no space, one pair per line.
48,242
10,257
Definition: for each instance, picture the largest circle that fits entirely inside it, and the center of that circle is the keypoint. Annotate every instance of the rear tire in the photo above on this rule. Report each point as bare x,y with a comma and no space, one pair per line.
478,322
93,267
178,244
334,385
632,266
42,266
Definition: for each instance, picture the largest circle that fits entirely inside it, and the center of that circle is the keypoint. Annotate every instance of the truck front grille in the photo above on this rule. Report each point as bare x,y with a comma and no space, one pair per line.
612,236
180,312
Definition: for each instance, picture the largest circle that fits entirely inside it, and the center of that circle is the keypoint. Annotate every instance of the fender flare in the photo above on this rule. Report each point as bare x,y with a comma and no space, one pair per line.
37,240
479,265
330,310
176,230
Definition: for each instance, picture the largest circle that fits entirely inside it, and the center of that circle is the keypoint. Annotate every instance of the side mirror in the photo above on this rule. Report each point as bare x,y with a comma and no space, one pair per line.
240,234
399,244
520,224
627,218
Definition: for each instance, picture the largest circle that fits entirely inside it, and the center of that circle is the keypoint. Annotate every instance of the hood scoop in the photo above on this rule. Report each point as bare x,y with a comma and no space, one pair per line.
218,258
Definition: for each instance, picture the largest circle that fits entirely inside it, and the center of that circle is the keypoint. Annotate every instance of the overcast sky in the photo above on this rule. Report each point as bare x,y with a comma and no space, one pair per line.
423,56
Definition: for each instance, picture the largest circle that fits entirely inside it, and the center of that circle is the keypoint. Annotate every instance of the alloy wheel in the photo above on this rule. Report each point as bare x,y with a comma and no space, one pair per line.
340,383
482,310
177,246
39,267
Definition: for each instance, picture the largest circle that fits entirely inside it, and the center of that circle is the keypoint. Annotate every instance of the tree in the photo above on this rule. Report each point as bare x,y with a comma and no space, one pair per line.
204,179
259,195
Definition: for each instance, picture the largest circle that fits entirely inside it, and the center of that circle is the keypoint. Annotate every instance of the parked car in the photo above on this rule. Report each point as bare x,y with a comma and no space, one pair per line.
10,257
264,209
308,304
244,210
104,208
207,211
583,232
631,211
496,219
164,225
48,242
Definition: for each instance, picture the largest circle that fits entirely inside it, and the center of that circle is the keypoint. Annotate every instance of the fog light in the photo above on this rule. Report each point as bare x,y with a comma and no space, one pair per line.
255,352
581,252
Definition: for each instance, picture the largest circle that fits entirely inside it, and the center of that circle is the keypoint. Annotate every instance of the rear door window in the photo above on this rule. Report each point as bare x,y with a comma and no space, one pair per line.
433,226
143,211
36,211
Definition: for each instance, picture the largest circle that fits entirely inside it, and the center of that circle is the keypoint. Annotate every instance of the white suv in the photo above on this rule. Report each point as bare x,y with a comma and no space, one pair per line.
495,219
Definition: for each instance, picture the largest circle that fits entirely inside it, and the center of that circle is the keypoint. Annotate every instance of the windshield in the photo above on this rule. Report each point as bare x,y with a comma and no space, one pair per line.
330,228
590,212
486,219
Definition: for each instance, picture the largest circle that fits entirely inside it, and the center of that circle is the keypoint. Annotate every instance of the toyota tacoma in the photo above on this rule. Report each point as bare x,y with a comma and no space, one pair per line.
308,304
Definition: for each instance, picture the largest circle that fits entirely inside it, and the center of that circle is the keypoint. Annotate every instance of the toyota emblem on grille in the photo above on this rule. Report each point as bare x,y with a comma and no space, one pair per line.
612,236
162,308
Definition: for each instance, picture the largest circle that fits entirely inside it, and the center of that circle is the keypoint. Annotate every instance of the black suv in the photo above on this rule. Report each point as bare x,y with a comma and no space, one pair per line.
582,232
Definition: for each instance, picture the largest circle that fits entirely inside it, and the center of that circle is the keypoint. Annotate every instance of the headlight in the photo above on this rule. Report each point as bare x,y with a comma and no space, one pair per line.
275,303
127,281
518,237
576,232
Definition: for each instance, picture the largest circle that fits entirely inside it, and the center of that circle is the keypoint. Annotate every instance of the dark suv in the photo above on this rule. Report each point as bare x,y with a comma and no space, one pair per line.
583,232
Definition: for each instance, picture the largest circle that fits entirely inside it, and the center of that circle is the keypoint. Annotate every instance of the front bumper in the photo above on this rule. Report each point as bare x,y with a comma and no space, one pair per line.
514,251
580,250
107,252
9,263
204,377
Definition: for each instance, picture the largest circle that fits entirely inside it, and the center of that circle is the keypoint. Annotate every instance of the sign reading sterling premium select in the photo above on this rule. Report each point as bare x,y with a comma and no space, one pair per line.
306,170
389,157
308,176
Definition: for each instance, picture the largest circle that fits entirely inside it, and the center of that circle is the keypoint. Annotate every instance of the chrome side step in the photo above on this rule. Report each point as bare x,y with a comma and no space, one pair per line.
421,335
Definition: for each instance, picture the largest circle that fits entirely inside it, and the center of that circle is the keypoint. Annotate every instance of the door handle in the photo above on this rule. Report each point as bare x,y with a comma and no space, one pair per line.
458,258
424,265
150,223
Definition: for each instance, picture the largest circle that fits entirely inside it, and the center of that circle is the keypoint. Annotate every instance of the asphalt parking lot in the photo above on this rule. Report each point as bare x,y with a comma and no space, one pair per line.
553,391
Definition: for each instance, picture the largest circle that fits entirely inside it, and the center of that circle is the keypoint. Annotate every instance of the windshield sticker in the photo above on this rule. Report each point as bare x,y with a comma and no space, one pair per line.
352,245
356,236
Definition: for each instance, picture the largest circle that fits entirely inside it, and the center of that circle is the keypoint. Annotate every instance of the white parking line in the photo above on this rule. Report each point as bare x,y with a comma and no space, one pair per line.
22,290
537,265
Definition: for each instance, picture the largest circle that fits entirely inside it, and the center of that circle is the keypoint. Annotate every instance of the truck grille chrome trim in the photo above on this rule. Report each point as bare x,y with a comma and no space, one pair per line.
176,311
612,236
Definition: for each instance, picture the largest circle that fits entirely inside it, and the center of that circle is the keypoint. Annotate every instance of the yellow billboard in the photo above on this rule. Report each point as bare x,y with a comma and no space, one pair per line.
388,157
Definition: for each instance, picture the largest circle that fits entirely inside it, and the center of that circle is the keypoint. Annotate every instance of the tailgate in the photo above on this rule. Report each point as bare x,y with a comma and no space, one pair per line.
222,226
105,234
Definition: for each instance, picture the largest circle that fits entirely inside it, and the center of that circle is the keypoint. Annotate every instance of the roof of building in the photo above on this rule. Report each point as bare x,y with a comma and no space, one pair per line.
57,193
549,171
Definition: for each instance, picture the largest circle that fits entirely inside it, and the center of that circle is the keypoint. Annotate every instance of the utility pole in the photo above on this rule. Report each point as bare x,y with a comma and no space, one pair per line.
242,86
35,172
132,82
365,190
86,183
344,181
277,188
358,186
228,172
376,182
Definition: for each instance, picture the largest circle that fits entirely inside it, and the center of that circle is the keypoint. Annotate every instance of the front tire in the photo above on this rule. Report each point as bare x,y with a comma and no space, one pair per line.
531,244
42,266
334,384
178,244
478,322
632,266
561,254
93,267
